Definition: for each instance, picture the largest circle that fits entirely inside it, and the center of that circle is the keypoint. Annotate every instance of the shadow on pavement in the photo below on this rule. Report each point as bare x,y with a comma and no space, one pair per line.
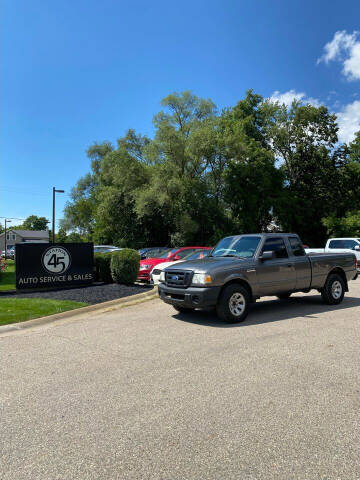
271,311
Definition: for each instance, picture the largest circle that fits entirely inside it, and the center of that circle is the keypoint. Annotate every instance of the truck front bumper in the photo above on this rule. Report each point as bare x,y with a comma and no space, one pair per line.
192,297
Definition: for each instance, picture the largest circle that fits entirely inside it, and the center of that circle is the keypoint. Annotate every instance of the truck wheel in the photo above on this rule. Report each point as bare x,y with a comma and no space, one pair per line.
233,304
334,290
183,309
284,296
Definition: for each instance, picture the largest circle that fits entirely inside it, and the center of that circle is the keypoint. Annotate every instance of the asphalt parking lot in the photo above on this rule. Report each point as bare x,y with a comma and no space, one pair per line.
145,393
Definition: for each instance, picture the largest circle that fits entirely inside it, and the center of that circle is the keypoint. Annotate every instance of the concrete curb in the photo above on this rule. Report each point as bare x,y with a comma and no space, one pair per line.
102,307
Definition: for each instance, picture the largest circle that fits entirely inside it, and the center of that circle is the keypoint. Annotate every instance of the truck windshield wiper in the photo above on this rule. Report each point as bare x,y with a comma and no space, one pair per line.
231,255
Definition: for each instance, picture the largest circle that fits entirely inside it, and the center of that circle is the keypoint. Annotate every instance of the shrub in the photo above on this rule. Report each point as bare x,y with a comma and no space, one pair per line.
102,267
3,265
125,265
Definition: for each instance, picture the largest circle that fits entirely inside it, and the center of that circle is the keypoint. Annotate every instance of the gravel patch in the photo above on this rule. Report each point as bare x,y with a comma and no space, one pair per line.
96,293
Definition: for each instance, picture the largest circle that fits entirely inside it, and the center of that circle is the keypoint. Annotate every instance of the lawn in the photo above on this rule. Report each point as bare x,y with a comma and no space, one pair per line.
7,278
13,310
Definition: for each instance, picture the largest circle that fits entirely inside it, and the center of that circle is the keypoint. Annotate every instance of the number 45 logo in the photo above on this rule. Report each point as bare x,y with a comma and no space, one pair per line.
56,260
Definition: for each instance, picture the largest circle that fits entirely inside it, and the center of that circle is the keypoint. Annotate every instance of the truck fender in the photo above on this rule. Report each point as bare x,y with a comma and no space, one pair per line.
339,271
237,278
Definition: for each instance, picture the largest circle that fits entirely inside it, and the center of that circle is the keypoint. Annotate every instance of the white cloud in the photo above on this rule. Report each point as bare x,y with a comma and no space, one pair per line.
288,97
344,47
352,64
349,121
348,117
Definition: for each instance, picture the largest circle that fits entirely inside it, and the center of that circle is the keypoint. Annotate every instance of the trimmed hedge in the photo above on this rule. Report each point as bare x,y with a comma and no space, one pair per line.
102,267
124,265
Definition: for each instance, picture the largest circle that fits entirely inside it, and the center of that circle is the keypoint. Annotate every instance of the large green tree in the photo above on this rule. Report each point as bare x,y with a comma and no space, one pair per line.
303,139
206,173
33,222
344,218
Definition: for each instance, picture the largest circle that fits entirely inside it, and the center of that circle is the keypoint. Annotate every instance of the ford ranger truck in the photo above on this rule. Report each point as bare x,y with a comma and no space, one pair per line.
243,268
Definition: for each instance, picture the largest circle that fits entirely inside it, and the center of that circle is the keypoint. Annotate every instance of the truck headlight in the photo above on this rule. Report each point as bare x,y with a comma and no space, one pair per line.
162,277
201,279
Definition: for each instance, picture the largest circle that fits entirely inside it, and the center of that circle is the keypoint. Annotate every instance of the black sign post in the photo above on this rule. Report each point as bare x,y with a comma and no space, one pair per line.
41,265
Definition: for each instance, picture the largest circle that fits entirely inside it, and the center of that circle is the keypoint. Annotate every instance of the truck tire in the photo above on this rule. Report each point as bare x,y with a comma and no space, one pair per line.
284,296
183,309
334,290
233,304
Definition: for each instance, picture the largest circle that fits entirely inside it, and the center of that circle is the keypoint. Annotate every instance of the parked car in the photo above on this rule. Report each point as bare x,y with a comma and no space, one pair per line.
155,252
243,268
145,252
9,254
105,248
340,245
147,264
156,271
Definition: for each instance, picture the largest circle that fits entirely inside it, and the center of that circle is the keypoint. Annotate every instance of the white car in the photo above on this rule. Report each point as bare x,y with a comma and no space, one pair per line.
340,245
10,253
105,248
156,271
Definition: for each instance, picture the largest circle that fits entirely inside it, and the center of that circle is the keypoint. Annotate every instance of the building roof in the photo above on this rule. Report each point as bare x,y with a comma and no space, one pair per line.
30,233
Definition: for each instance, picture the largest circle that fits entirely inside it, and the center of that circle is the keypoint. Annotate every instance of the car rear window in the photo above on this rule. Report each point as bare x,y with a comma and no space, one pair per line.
168,253
198,254
185,253
342,244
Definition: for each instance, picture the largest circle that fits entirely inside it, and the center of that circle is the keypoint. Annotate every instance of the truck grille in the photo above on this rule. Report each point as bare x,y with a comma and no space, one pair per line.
178,278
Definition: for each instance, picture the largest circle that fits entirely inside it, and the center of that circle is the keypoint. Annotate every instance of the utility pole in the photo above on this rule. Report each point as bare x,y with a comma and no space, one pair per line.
6,221
53,217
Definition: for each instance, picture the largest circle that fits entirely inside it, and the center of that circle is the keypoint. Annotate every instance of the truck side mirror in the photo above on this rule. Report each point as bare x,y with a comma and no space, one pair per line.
267,256
357,247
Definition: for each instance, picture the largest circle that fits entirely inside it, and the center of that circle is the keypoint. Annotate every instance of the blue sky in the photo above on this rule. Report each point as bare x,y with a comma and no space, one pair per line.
79,71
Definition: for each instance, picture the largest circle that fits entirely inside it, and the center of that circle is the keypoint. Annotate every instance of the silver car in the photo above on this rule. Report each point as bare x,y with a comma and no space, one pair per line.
105,248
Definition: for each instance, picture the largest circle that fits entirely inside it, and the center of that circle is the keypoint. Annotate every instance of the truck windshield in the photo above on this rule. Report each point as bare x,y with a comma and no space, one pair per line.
244,246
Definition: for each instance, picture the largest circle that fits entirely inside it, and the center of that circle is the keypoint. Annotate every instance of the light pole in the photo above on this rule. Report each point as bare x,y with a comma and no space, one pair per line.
6,222
53,217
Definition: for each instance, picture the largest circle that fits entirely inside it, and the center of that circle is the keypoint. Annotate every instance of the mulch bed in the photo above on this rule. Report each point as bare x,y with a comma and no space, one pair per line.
96,293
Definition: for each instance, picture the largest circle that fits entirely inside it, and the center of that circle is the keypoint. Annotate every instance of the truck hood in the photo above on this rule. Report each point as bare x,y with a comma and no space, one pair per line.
213,264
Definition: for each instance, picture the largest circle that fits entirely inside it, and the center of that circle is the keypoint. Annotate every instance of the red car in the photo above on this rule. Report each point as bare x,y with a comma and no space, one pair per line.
148,264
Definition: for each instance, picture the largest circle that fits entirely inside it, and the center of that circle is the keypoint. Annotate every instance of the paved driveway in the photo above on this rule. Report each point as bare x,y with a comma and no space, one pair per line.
145,393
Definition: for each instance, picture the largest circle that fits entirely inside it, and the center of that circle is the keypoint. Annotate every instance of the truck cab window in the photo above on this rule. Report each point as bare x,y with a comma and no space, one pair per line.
296,247
276,245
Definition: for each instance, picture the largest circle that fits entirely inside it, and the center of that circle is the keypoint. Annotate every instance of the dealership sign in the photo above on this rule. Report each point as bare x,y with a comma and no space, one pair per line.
40,265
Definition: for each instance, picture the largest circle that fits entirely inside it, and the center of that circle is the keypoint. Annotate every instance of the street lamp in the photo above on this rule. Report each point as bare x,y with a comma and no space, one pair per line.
53,218
6,222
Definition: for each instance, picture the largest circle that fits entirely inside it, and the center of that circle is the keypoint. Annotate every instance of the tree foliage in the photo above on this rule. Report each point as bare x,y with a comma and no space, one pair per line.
33,222
206,173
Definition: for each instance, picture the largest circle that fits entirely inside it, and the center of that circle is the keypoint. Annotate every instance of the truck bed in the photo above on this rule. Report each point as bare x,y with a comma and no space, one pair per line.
322,263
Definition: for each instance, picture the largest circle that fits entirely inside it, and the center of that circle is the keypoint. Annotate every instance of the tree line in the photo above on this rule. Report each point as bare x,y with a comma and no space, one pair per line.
34,222
257,166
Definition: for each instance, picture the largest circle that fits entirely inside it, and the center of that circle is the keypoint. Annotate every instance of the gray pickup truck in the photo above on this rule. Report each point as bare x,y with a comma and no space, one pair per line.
243,268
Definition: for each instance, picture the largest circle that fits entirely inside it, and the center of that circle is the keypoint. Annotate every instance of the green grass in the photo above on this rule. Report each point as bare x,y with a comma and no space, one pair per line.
13,310
7,278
